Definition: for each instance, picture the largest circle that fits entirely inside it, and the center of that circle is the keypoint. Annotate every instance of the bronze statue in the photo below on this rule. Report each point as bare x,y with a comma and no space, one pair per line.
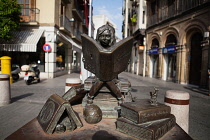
154,95
106,59
106,36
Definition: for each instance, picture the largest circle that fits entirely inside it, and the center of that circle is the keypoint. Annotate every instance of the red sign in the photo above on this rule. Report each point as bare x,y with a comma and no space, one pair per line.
46,48
141,48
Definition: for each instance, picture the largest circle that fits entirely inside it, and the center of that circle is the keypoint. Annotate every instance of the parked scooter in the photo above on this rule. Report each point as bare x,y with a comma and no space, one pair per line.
31,73
15,72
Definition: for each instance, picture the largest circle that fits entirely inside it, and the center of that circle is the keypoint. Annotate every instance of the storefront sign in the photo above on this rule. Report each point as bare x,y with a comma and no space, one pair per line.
153,51
141,48
169,49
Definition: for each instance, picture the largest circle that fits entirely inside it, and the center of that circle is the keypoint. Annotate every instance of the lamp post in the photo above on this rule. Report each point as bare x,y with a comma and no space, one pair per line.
84,72
208,63
90,28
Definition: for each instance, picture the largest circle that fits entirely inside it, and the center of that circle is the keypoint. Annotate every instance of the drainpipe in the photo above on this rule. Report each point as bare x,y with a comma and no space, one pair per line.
144,57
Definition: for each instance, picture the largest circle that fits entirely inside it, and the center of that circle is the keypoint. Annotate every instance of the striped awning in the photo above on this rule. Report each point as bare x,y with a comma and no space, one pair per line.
75,46
22,41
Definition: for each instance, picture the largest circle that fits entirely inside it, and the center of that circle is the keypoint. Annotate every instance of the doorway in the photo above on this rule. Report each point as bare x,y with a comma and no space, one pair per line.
171,71
155,66
195,59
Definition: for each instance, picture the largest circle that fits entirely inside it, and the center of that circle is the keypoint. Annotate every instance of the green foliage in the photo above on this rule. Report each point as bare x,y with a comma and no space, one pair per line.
134,19
9,18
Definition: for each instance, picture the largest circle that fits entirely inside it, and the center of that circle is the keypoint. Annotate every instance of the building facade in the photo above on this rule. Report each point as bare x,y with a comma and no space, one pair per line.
134,24
177,37
100,20
56,24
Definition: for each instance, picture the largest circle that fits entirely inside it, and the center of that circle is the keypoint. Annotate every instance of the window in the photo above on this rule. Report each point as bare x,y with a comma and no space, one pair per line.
25,5
155,43
143,17
170,2
153,8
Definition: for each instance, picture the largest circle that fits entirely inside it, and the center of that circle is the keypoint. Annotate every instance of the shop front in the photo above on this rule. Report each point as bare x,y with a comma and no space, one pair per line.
170,56
154,62
141,60
25,48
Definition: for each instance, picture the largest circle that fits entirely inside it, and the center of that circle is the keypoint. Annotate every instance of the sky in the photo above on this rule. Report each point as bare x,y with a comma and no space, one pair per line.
112,9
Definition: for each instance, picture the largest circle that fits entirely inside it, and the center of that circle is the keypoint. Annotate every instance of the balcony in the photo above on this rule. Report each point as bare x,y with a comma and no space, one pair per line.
167,12
77,11
76,34
85,26
30,16
65,24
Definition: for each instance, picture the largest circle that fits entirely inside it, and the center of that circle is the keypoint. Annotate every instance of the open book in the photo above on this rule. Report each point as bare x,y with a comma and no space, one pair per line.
106,64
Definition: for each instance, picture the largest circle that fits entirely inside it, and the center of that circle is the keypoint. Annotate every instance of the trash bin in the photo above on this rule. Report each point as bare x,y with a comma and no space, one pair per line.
6,66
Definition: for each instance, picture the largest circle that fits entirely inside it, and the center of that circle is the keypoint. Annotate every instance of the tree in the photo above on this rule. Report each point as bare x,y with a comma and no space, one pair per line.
10,13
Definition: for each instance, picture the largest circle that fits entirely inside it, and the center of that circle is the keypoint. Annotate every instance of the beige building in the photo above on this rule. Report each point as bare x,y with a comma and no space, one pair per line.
177,37
100,20
55,23
134,24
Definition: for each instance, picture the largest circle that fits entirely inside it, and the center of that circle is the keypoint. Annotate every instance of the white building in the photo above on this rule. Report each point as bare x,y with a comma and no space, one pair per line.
99,20
134,23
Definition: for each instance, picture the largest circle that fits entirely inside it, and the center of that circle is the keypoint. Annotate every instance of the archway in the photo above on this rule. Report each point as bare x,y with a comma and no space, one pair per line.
170,57
195,59
155,58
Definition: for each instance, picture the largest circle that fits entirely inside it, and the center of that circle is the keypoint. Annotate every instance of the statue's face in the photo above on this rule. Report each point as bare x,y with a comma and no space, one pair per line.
105,38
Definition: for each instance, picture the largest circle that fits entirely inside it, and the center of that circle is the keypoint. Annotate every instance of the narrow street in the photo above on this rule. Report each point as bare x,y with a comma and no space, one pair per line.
27,102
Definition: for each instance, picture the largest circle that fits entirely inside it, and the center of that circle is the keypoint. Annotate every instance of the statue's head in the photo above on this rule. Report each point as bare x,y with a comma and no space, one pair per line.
106,36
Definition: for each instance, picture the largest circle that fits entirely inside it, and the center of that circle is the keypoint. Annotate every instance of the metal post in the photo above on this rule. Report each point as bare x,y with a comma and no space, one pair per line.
209,63
144,55
85,73
90,18
90,28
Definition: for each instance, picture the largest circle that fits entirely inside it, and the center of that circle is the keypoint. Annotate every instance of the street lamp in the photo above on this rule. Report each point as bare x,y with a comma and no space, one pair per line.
84,72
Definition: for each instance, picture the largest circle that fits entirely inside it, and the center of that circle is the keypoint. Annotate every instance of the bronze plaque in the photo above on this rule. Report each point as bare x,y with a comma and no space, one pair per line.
142,111
152,130
53,112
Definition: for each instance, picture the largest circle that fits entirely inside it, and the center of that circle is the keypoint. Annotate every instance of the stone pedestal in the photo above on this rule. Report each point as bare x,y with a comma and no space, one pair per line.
104,130
107,103
72,82
5,94
179,103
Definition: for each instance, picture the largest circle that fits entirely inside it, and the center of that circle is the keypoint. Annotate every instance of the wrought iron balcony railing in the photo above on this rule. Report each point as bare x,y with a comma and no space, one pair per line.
77,34
166,12
77,11
29,15
66,24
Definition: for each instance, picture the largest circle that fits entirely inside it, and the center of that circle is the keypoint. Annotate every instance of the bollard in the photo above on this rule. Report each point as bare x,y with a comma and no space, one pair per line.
5,94
179,103
6,66
71,82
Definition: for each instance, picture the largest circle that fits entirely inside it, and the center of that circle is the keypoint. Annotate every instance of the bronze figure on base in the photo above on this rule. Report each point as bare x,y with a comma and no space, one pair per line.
106,59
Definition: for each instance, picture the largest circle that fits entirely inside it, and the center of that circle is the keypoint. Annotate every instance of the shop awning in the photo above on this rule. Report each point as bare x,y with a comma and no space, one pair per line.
22,41
76,46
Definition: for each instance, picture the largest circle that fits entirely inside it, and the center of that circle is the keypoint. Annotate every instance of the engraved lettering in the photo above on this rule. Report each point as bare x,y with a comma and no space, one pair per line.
47,112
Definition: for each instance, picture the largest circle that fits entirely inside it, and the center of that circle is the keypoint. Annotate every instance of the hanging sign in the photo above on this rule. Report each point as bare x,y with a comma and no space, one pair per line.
153,51
169,49
141,48
47,48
